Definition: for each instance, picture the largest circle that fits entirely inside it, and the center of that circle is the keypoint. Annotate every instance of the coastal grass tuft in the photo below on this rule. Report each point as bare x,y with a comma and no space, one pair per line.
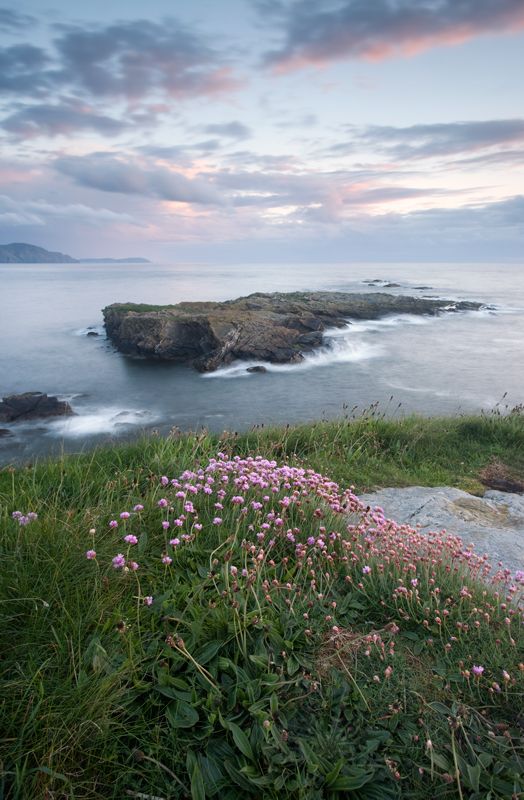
250,643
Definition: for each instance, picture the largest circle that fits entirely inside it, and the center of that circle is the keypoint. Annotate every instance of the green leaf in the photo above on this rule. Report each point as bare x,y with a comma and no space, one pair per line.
273,703
440,708
208,652
474,776
241,740
348,783
198,791
334,773
181,715
172,693
292,665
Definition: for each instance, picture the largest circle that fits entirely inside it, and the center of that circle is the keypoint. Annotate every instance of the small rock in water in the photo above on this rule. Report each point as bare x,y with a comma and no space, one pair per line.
92,333
32,405
5,432
258,368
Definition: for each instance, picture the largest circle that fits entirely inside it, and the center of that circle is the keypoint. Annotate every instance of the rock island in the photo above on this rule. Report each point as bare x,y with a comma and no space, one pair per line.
278,328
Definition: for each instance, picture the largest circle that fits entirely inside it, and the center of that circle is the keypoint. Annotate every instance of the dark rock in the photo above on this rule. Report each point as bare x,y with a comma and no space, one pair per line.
92,333
5,432
32,405
275,327
258,368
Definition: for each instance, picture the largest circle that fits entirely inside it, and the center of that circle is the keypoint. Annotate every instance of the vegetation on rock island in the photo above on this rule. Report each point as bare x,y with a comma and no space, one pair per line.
196,617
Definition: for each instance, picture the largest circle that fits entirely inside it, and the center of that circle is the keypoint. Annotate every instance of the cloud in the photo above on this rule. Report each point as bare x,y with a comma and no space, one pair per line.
445,139
137,58
319,33
133,62
23,69
41,212
109,173
14,20
232,130
31,121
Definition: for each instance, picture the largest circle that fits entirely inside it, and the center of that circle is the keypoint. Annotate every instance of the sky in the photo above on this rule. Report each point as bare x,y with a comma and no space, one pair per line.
264,130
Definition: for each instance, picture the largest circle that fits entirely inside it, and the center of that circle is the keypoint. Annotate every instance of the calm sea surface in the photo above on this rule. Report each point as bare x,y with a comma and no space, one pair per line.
450,364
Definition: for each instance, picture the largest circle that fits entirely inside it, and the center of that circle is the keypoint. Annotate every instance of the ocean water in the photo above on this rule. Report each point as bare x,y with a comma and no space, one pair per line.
453,363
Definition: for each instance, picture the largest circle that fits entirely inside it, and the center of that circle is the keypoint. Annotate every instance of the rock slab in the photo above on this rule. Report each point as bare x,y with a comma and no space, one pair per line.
32,405
276,328
493,523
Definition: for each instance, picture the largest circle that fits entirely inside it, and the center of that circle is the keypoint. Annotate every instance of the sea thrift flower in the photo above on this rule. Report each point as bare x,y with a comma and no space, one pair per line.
130,539
125,515
217,521
174,542
164,480
167,560
148,601
477,670
138,507
388,672
119,561
133,565
366,570
91,554
113,524
162,503
165,524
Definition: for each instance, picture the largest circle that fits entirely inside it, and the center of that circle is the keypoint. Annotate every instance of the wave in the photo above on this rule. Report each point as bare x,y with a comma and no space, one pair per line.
100,421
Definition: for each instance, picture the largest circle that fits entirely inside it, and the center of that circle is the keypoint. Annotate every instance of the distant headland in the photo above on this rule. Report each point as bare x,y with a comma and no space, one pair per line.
22,253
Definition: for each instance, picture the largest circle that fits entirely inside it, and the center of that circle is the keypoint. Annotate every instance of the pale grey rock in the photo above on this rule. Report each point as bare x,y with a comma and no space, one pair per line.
494,524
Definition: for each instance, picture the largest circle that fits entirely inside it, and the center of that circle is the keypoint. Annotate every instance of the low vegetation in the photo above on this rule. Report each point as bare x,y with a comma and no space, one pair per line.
203,616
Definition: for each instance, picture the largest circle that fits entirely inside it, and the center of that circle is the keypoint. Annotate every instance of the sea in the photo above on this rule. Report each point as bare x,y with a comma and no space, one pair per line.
454,363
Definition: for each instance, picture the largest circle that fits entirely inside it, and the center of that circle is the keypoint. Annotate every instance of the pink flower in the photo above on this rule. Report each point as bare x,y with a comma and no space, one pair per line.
148,601
167,560
388,672
165,524
133,565
91,554
162,503
113,524
119,561
217,521
477,670
174,542
125,515
164,480
130,539
366,570
138,507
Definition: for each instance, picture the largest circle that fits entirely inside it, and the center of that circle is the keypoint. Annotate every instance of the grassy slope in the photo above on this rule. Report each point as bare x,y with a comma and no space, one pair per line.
68,725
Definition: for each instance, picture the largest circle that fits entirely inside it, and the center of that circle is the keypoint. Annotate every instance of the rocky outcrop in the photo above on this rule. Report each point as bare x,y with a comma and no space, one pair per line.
278,328
493,523
32,405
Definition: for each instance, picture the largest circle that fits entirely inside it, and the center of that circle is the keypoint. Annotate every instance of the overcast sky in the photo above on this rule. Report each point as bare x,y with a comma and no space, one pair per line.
249,130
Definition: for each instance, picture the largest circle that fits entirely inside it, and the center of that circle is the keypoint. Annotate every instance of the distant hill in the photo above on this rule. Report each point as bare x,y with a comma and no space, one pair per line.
21,253
115,260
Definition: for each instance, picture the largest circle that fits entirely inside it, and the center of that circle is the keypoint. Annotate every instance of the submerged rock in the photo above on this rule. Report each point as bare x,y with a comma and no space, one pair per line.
32,405
276,327
258,368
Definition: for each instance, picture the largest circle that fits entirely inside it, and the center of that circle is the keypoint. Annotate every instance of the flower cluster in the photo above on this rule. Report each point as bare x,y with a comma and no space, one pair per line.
289,539
24,519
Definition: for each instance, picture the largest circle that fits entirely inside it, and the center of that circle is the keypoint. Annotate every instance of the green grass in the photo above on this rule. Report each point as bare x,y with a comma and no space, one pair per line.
93,708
